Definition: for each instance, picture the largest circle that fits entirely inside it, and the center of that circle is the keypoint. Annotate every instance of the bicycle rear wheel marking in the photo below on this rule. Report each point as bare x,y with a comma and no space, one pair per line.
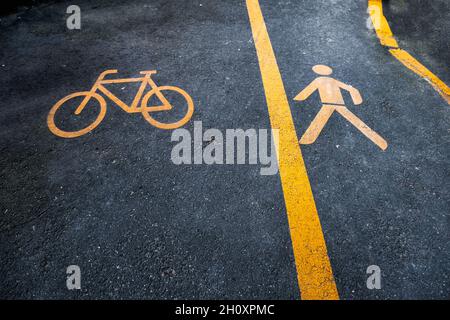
168,126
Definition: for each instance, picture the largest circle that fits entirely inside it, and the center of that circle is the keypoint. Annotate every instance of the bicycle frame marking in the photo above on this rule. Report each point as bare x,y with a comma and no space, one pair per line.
133,108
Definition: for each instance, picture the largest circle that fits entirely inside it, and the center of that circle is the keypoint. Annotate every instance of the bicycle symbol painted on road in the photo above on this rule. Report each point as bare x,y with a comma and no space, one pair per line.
143,108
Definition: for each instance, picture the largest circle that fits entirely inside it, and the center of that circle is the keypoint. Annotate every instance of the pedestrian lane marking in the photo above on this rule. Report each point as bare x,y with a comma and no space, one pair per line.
332,100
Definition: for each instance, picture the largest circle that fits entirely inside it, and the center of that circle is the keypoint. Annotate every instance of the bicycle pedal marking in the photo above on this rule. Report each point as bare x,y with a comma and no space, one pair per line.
139,104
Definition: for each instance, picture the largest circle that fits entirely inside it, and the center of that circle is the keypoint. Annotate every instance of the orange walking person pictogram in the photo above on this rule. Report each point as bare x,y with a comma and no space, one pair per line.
332,100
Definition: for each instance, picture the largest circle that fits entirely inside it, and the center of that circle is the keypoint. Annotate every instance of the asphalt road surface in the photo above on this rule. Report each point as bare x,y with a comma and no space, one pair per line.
139,226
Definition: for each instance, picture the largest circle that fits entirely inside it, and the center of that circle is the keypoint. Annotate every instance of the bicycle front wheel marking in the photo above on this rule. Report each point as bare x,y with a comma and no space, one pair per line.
167,126
74,134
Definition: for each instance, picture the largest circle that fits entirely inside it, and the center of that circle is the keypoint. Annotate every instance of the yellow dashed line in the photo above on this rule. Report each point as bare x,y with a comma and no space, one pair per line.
314,274
387,39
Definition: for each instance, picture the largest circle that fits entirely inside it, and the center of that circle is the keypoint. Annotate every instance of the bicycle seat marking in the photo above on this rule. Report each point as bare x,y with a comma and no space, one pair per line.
139,104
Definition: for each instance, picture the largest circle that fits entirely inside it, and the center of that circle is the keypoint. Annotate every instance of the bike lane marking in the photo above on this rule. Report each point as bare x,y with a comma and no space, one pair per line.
314,273
144,109
387,39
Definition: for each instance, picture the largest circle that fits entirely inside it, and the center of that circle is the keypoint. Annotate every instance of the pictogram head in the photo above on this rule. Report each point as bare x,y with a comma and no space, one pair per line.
323,70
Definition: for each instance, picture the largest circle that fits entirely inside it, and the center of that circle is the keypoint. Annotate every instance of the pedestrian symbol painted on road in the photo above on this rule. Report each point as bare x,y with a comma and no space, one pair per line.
146,110
332,100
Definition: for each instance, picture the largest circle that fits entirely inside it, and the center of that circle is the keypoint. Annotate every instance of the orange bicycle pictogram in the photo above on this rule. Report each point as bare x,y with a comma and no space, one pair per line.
143,108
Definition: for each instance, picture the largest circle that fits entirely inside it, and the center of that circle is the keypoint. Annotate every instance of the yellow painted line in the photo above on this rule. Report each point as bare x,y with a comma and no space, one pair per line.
414,65
387,39
381,24
314,273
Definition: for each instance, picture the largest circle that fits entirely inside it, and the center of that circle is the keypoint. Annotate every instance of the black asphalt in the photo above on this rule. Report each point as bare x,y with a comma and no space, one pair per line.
139,226
421,27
